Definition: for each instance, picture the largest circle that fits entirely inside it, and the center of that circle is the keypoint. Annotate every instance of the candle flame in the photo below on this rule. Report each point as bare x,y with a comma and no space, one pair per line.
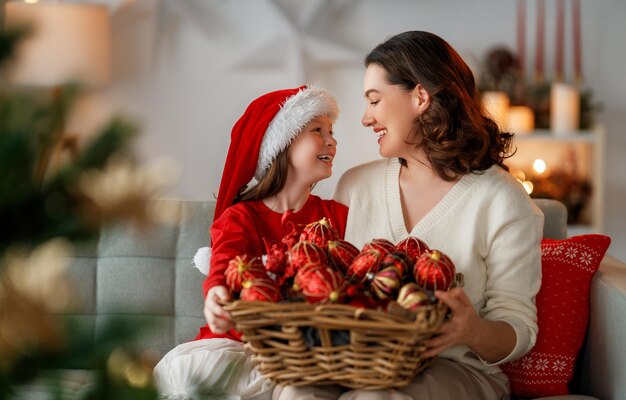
539,166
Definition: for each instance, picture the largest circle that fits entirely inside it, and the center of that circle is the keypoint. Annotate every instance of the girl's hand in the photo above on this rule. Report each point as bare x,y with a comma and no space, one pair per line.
219,321
463,327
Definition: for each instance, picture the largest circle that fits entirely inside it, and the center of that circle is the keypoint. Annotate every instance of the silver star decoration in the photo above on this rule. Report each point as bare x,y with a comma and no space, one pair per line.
300,42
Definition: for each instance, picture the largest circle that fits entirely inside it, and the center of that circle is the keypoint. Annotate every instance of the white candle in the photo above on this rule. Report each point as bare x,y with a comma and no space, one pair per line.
564,108
496,105
521,119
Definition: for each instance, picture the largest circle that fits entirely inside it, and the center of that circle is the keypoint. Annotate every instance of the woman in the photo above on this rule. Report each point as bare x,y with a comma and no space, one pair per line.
443,180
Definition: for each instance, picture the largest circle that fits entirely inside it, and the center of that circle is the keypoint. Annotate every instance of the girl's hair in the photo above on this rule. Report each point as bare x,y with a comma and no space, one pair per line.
272,182
456,135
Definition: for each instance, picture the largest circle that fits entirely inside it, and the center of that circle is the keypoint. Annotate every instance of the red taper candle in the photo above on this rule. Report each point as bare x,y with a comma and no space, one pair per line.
521,35
560,44
578,68
540,40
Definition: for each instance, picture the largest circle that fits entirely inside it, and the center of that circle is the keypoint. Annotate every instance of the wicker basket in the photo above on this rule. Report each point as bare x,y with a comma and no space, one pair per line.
380,350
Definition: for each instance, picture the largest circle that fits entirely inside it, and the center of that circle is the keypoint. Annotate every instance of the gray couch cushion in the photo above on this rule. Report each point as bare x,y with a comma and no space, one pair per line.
555,223
145,274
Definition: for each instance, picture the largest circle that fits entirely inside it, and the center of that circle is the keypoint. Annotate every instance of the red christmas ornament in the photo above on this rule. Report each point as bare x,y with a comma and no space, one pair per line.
302,253
412,297
292,237
401,261
303,272
341,253
385,283
353,289
362,300
323,285
358,296
434,271
384,246
367,261
241,269
413,247
260,289
319,232
276,258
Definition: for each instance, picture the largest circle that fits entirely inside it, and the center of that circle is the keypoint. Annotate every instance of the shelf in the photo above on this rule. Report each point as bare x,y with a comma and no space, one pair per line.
565,137
580,154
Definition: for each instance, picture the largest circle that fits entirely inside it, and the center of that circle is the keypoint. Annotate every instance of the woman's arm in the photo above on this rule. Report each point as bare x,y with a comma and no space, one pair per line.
506,327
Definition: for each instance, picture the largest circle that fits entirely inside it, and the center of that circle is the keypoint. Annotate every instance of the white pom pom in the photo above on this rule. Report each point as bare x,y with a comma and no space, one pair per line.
202,260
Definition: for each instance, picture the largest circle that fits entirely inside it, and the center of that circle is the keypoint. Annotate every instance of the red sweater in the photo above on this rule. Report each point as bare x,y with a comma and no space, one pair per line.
242,228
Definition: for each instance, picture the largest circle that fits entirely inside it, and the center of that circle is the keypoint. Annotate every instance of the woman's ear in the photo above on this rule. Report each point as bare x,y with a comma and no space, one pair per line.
421,98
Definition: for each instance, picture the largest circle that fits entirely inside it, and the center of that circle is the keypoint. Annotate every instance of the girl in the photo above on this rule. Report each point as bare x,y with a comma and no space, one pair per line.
285,141
443,180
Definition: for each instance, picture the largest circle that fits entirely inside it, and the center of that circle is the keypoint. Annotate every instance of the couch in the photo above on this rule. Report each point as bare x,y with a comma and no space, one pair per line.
149,274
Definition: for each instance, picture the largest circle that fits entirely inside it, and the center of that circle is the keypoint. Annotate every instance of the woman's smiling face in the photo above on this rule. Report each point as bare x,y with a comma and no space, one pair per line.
390,112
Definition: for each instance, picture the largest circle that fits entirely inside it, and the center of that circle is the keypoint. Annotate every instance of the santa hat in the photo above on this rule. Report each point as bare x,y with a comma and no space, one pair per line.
265,129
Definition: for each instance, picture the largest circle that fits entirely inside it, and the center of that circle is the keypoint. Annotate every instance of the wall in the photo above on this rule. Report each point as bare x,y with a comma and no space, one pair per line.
187,70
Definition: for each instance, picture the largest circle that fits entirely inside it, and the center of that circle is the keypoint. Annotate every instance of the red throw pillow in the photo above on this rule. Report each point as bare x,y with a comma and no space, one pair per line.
562,312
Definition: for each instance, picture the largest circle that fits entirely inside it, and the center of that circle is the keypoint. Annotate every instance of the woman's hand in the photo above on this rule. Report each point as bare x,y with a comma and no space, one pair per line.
219,321
461,328
491,340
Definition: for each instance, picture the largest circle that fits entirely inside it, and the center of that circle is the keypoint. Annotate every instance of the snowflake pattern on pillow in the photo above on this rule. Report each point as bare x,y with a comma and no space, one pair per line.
562,312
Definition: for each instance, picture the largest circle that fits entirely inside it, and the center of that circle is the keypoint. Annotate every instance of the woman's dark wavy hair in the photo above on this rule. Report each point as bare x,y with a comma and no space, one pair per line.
456,135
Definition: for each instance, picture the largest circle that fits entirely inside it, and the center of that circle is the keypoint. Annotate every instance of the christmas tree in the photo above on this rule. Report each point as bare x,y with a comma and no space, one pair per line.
46,209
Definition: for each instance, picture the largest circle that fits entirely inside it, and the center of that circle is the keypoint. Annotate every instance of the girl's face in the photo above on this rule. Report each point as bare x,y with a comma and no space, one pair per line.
312,152
390,112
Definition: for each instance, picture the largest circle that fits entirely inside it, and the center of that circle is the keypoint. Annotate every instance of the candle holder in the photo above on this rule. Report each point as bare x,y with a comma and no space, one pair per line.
521,119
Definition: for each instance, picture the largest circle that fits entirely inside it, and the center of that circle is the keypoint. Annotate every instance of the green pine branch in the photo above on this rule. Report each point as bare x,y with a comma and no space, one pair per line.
39,202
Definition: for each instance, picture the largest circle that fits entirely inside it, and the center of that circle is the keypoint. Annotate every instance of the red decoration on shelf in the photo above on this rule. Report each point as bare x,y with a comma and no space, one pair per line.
367,261
319,232
260,289
323,285
413,247
434,271
384,246
412,297
341,253
242,268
